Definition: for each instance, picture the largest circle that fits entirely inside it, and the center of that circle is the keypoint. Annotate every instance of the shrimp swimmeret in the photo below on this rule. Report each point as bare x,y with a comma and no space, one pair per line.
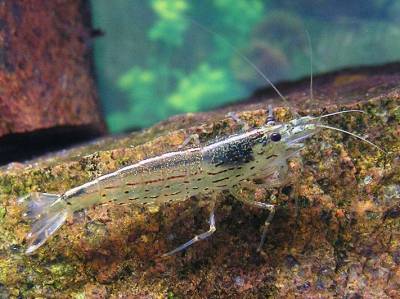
226,164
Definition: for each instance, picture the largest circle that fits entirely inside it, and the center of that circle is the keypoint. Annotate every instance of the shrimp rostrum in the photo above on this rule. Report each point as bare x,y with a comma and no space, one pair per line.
225,164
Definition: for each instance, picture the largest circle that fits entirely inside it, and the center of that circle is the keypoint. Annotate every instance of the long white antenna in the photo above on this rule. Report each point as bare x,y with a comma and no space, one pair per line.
339,112
351,134
311,64
244,58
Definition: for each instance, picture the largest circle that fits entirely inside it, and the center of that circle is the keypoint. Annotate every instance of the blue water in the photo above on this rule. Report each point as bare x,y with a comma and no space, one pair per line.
153,61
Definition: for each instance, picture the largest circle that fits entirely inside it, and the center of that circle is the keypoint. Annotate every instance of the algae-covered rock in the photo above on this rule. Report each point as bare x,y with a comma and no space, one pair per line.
344,241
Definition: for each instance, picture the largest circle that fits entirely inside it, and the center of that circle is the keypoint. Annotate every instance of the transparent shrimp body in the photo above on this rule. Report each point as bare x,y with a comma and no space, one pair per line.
175,176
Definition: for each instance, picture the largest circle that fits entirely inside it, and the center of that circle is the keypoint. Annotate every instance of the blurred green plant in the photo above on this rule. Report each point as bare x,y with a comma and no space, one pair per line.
169,67
203,89
161,89
142,87
239,17
171,23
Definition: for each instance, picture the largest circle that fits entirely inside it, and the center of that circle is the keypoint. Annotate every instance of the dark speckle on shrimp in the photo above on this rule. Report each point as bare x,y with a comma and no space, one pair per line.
232,154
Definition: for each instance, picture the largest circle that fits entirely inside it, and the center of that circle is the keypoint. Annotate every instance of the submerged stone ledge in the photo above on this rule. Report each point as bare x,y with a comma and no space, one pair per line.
344,241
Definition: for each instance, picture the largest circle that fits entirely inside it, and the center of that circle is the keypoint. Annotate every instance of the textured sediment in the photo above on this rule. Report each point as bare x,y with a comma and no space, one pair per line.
344,241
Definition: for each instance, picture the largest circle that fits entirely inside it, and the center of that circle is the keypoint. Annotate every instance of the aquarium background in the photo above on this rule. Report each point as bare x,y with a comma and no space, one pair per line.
158,58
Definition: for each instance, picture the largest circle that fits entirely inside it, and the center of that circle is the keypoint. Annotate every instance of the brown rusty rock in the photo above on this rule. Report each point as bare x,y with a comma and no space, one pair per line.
344,242
45,79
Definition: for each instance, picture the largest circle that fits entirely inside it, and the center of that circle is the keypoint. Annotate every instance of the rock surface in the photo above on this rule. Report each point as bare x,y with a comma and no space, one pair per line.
344,242
45,77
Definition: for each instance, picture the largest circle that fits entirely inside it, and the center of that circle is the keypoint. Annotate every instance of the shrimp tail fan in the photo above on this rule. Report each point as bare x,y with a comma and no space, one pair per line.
46,213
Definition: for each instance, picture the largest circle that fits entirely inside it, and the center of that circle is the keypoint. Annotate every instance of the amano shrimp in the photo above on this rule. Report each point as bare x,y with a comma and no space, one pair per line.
225,164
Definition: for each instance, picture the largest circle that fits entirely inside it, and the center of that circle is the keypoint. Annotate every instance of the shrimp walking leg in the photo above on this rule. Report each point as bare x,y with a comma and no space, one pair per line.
267,222
271,208
197,238
192,138
244,125
278,177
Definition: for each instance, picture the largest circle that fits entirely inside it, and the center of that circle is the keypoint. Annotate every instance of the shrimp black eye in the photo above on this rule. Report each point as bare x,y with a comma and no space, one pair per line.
275,137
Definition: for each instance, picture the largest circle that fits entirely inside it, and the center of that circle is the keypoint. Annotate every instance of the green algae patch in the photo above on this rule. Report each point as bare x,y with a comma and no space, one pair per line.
61,269
3,212
342,229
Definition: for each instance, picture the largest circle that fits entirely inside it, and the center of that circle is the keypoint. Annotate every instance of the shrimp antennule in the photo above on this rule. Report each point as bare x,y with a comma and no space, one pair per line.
351,134
339,112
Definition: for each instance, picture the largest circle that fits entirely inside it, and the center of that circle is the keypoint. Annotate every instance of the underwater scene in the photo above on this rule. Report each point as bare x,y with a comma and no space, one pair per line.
159,58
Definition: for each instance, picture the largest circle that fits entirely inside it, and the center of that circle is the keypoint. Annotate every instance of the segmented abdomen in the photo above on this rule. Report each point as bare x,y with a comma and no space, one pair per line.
166,178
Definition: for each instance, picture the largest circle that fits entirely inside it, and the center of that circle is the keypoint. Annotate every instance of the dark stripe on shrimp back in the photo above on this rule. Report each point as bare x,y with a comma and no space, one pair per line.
231,154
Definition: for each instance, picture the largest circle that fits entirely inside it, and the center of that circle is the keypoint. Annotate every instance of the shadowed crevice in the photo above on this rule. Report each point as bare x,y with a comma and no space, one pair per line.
19,147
